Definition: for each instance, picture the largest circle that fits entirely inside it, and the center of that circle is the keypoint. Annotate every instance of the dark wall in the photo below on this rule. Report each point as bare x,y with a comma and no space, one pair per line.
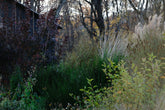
15,12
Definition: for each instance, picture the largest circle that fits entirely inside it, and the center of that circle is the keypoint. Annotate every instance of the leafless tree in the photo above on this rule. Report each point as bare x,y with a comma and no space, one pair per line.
145,8
95,16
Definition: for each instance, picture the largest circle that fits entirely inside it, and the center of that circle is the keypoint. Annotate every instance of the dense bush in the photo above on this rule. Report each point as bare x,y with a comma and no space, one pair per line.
16,79
22,97
70,75
53,84
137,90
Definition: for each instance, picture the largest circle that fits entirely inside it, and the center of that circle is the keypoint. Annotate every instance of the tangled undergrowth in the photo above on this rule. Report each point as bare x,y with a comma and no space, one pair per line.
131,79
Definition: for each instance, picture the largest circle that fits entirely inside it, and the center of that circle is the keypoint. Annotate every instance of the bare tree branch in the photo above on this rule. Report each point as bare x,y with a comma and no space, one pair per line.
83,22
136,10
61,4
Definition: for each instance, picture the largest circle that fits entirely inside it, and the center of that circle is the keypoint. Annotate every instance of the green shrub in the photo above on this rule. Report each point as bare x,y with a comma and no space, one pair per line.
135,90
53,84
70,75
92,96
57,82
23,98
138,89
16,79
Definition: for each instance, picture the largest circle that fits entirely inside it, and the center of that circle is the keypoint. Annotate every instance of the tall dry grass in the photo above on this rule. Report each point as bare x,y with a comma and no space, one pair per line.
113,45
147,39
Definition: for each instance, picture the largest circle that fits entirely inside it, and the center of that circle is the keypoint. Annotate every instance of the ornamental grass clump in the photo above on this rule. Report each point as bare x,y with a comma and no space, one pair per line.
148,38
